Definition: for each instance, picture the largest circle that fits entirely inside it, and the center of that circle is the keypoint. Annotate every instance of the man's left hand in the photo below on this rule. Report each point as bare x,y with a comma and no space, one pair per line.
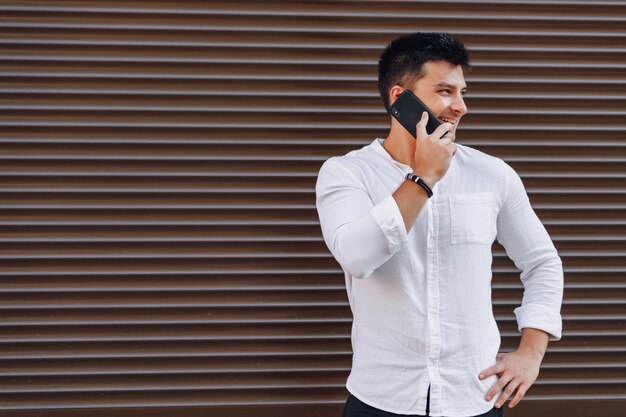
517,370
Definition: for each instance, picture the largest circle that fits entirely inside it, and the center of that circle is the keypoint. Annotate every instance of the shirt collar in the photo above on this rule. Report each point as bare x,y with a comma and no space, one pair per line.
377,146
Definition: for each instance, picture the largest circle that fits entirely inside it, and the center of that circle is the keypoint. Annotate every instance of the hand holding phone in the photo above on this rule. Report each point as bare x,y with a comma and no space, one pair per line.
433,153
408,109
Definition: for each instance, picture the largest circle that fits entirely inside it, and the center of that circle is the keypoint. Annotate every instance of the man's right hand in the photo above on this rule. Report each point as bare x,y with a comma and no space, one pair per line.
432,152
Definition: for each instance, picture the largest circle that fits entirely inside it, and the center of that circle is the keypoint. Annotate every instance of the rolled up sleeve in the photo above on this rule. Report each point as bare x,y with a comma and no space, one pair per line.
388,217
361,235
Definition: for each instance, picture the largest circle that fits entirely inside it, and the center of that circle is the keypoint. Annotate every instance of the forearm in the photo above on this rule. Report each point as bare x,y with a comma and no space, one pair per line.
360,240
534,342
374,247
411,199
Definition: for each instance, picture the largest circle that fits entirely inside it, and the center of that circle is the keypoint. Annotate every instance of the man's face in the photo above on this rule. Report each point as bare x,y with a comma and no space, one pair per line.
442,89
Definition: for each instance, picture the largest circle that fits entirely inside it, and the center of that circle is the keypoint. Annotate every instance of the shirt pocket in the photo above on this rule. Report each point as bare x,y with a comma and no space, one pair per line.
472,218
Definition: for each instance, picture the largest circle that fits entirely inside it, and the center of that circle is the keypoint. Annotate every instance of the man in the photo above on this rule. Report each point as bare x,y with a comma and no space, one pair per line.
418,269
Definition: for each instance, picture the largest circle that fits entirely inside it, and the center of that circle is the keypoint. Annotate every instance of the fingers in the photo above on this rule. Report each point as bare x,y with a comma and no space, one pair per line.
498,386
521,391
441,130
515,372
507,392
438,133
492,370
421,126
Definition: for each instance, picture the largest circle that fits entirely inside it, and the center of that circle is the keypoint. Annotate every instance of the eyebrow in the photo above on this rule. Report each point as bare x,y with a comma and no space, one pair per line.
445,84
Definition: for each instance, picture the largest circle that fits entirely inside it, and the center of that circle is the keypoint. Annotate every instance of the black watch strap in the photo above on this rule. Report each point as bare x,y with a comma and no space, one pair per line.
412,177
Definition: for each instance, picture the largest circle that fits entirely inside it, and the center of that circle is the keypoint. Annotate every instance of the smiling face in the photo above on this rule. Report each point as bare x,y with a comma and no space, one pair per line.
442,88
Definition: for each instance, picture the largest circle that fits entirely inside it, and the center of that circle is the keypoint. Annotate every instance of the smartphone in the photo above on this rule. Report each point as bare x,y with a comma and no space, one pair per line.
408,109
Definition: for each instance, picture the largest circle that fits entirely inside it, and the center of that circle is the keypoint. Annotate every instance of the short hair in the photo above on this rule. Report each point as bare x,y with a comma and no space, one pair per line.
401,61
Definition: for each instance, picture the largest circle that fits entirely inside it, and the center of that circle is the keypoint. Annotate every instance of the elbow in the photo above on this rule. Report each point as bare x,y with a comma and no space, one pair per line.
358,253
546,261
354,265
357,270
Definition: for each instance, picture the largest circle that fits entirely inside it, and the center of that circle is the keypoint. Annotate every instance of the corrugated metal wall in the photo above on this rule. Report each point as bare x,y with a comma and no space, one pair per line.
142,274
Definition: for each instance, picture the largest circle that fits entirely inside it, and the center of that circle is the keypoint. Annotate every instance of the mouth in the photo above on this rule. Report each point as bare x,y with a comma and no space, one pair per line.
447,120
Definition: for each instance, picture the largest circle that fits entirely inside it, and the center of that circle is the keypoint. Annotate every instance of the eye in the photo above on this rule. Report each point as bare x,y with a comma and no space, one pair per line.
447,91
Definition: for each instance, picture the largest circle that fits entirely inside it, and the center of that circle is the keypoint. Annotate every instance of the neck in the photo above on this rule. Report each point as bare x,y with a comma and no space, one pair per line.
400,145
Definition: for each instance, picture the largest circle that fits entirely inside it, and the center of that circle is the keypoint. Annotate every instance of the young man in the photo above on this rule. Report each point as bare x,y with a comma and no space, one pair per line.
418,268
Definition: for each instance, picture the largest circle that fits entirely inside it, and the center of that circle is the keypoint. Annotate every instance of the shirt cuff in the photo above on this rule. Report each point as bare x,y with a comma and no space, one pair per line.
539,317
388,217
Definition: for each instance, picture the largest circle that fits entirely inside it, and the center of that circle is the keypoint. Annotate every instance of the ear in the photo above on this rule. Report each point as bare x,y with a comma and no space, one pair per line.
394,92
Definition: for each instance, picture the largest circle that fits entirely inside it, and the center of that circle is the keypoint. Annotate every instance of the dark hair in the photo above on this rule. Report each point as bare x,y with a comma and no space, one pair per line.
401,61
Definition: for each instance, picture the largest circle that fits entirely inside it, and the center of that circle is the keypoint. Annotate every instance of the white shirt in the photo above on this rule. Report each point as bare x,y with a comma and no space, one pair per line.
422,301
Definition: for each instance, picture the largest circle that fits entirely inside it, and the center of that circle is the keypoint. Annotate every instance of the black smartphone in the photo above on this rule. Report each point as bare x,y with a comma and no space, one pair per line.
408,109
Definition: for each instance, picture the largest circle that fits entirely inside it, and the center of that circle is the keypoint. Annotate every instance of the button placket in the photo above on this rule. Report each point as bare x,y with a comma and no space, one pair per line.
432,279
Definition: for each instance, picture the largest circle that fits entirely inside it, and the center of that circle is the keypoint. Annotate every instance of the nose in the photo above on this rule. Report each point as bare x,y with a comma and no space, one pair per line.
458,106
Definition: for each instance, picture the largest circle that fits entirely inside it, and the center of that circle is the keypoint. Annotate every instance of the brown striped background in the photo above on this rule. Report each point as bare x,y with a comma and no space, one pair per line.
160,252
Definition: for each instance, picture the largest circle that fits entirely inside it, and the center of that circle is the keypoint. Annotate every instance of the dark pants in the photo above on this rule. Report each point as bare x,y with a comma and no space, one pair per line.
356,408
